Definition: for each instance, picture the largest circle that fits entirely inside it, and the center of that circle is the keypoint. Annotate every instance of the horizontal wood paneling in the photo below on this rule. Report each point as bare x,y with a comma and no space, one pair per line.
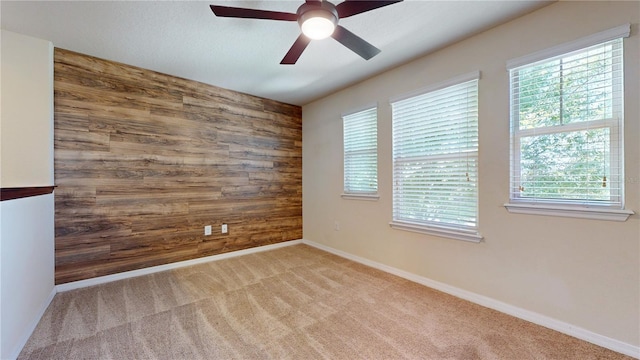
143,161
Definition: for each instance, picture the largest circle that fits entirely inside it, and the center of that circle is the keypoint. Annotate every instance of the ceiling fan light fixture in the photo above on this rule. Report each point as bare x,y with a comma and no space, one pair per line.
317,21
318,27
318,24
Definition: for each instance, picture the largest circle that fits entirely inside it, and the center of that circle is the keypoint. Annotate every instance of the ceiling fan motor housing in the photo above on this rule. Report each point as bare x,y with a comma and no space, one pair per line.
322,9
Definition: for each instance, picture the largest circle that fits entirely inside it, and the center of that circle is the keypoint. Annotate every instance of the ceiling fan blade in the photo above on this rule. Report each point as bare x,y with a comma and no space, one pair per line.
228,11
296,50
354,7
355,43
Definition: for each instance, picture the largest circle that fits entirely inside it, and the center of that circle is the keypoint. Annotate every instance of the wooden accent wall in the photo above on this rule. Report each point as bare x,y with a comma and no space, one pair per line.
143,161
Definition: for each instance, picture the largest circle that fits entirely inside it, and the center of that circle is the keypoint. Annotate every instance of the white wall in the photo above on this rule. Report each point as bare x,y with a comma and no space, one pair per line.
26,160
27,277
585,273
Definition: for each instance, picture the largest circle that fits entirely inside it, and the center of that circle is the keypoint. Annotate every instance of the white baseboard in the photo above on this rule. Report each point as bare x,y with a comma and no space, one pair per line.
154,269
32,325
497,305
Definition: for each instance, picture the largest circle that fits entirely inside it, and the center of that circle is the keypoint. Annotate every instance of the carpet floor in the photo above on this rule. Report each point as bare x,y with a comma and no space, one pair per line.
295,302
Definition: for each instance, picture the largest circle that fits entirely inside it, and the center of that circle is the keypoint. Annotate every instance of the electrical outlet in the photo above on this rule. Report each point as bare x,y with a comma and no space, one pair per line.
336,225
207,230
224,229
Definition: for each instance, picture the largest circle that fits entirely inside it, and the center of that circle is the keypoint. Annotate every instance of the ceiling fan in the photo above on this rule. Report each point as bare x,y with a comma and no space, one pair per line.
318,19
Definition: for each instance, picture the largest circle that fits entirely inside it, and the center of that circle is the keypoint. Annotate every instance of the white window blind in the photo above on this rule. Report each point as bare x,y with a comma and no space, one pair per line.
435,159
566,128
360,131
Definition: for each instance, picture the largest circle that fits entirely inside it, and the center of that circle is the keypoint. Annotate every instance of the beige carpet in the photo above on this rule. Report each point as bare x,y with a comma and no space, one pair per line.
291,303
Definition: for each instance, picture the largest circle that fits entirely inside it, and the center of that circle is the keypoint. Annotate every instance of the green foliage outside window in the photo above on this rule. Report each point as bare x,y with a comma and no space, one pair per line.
565,111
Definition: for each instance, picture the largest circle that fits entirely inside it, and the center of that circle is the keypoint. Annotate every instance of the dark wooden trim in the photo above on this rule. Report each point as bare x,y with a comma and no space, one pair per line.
23,192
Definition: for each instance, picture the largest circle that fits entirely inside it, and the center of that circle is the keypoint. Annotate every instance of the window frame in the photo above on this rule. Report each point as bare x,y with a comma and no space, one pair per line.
450,230
589,209
360,195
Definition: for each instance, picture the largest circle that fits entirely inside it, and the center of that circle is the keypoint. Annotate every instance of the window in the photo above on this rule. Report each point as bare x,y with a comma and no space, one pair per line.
566,131
435,160
360,131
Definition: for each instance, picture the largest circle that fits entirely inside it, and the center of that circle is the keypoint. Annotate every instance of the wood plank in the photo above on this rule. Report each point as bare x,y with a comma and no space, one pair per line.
144,160
82,253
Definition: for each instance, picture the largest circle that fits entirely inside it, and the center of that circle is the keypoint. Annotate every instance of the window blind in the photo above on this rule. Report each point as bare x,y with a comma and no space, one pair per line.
566,126
360,131
435,157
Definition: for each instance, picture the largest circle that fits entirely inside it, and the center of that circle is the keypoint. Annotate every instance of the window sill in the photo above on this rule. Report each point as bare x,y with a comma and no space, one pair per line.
368,197
457,234
569,211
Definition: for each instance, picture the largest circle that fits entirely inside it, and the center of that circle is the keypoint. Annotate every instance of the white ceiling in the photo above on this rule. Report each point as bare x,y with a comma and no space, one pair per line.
185,39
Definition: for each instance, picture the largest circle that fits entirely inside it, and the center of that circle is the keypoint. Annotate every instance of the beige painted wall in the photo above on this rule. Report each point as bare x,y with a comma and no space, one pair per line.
582,272
26,119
